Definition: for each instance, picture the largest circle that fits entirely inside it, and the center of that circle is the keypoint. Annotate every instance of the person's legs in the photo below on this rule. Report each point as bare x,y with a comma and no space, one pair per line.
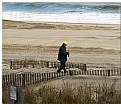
62,66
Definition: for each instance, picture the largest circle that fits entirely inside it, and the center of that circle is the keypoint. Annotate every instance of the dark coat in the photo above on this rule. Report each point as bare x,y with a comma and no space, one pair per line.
62,55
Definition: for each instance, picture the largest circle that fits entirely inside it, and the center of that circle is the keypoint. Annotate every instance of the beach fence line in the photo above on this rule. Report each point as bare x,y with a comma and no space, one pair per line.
27,79
17,64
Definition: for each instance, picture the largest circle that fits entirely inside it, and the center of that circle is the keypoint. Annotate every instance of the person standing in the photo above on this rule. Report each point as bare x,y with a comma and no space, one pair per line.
62,56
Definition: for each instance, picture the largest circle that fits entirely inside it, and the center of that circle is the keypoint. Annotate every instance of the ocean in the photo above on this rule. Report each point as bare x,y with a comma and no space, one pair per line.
74,12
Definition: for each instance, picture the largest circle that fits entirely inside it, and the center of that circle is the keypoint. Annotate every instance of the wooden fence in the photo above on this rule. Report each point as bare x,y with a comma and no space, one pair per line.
17,64
28,79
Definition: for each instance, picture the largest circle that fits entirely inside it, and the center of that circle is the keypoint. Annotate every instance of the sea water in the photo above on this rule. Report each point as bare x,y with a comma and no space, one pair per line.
74,12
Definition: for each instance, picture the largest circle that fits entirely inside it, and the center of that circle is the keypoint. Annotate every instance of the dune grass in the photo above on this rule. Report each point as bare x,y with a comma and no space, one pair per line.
85,93
67,94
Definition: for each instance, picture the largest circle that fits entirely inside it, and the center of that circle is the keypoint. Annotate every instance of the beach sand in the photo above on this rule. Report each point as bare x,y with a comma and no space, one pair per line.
50,34
93,44
96,45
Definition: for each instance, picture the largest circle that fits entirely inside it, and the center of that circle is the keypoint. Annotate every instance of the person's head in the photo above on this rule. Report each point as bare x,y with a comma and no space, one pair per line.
65,43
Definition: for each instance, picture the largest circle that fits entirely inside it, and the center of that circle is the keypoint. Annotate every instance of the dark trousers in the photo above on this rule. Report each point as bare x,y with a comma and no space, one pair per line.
62,66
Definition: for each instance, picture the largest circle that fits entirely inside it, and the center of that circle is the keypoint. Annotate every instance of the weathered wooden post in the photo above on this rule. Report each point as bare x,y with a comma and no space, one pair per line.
49,76
108,72
54,75
11,67
70,72
87,72
117,72
74,72
85,67
92,72
34,78
101,73
114,72
48,64
111,72
79,72
98,72
42,76
23,80
95,72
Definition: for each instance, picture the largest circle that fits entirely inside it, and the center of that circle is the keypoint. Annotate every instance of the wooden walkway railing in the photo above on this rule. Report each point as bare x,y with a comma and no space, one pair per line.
28,79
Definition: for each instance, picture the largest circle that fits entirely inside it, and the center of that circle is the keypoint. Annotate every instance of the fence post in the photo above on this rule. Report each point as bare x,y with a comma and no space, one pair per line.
47,64
49,76
42,76
80,72
120,71
87,72
74,72
117,71
95,72
114,72
85,67
3,80
34,78
108,72
13,65
70,72
28,75
10,64
23,80
92,72
54,75
100,72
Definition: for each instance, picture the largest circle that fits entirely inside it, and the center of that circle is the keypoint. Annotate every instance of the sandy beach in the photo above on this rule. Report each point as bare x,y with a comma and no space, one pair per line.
95,44
51,34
